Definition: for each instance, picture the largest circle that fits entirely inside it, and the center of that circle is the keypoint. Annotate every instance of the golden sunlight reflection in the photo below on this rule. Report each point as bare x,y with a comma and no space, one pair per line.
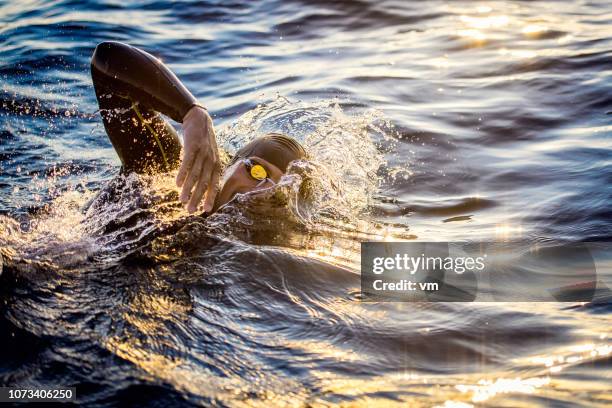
505,232
474,26
485,22
454,404
518,53
477,36
484,9
534,30
572,355
370,391
150,345
487,389
325,350
147,313
504,23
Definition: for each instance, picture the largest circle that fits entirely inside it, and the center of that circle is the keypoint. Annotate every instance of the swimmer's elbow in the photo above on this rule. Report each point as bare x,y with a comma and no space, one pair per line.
108,52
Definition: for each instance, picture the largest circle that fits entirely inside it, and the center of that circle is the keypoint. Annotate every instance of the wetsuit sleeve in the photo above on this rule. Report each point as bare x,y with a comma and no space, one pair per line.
145,78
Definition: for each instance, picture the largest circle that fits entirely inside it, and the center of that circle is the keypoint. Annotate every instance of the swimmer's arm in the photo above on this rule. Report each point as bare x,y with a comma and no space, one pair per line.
147,80
144,78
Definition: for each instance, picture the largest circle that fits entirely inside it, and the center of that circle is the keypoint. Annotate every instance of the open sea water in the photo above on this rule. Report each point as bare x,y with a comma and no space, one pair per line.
427,121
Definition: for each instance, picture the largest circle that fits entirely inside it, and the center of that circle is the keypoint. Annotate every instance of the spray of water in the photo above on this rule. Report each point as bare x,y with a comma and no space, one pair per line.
320,206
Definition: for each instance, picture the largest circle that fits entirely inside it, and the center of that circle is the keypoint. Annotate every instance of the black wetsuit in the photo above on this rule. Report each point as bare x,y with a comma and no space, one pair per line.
132,88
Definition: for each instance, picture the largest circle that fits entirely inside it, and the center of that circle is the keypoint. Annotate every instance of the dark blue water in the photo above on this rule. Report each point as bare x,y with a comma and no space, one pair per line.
427,120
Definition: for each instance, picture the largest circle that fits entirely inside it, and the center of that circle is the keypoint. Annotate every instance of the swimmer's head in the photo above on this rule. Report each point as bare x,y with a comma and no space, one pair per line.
258,165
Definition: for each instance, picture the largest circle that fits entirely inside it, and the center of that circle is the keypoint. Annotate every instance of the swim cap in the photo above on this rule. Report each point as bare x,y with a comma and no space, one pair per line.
276,148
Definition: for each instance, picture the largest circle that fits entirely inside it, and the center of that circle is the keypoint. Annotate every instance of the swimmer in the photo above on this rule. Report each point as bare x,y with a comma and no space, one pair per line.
134,88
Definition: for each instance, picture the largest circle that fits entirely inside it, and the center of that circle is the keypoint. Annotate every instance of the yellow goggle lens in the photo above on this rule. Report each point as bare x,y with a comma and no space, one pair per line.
258,172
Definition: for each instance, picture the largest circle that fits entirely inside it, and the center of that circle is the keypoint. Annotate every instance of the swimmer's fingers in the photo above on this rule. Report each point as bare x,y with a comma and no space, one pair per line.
207,183
213,188
194,175
200,156
186,165
201,187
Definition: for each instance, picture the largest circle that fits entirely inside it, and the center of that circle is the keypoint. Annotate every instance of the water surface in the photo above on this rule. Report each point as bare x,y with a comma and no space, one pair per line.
427,121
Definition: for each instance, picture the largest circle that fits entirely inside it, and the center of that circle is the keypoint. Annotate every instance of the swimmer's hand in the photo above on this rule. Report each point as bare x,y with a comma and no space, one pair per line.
200,168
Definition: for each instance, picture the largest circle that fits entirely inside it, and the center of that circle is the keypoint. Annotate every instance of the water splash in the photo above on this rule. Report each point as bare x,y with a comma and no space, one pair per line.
343,145
55,236
319,199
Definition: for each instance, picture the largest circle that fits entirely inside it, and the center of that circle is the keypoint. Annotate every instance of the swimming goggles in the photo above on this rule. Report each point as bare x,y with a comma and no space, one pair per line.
257,171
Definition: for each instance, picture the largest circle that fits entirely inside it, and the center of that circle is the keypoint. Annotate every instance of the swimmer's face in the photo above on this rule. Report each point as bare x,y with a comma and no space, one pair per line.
239,178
